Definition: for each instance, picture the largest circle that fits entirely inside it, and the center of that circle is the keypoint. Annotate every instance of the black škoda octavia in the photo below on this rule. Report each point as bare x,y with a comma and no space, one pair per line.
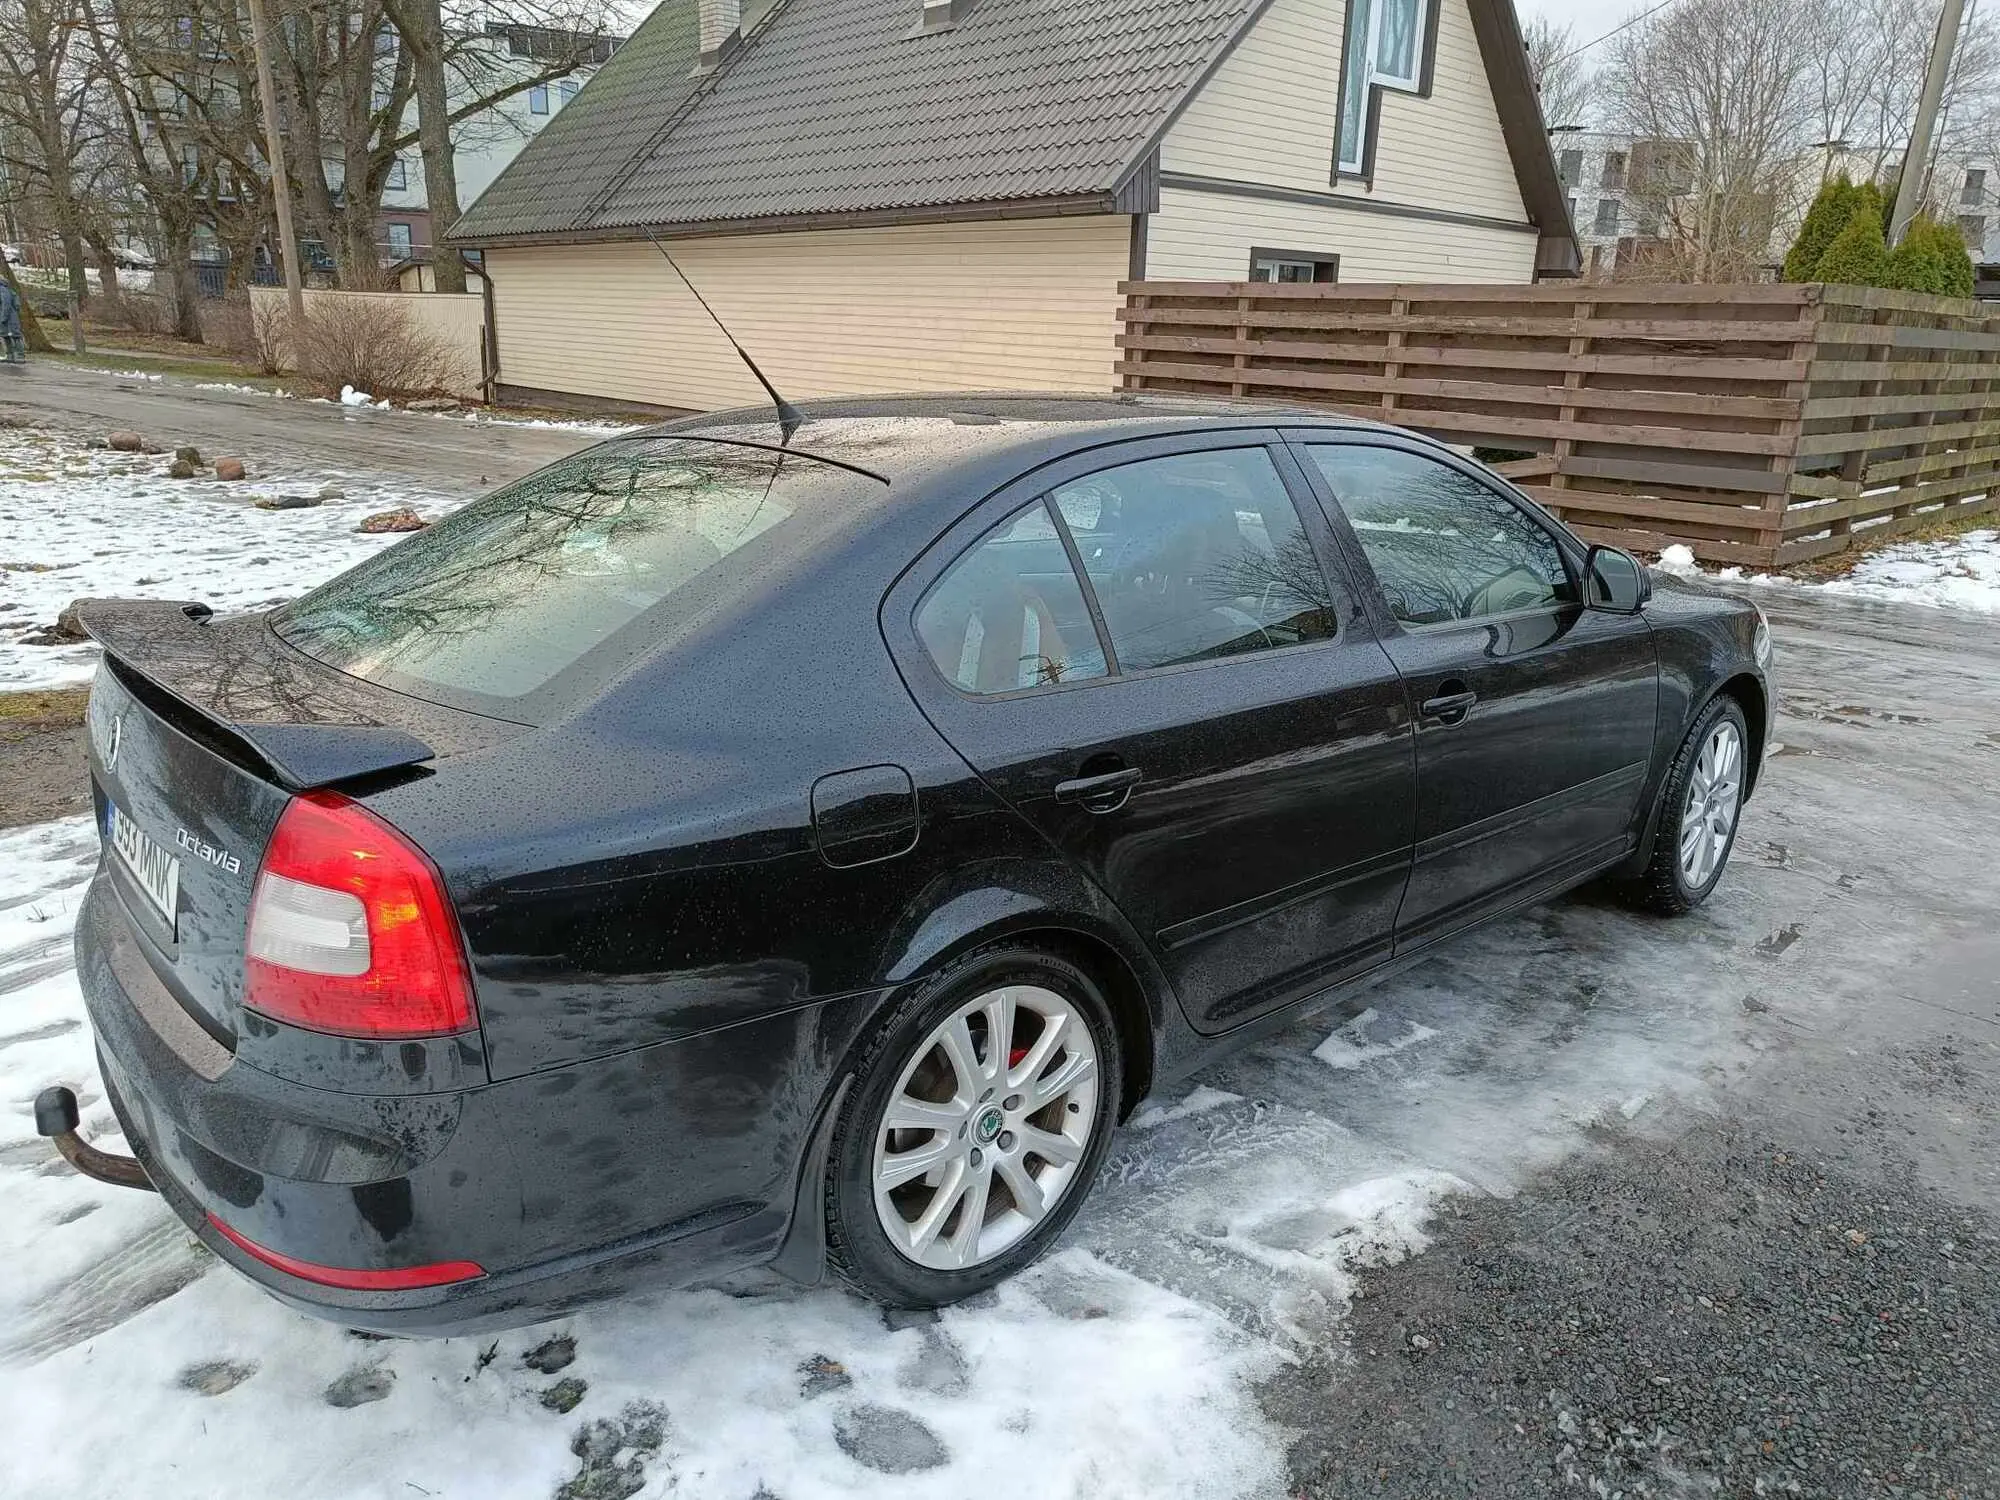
727,847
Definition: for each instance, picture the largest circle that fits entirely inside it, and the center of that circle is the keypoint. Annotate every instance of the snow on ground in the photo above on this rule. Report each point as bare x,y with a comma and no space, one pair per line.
1223,1241
163,1373
1960,572
78,522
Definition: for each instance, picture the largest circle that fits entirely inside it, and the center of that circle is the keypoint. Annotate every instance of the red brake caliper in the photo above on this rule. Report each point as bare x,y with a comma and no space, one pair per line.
1014,1057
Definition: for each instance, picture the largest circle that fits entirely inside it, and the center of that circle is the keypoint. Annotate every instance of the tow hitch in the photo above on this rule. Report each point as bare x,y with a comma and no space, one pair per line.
56,1118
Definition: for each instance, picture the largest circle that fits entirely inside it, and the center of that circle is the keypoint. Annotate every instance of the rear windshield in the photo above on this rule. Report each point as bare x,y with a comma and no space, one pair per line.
522,602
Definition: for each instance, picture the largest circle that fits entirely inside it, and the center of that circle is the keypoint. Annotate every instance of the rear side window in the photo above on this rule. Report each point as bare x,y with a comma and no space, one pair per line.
520,602
1009,615
1443,546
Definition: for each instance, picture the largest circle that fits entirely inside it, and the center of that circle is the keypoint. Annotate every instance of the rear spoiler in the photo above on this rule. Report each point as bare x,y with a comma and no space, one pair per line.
304,724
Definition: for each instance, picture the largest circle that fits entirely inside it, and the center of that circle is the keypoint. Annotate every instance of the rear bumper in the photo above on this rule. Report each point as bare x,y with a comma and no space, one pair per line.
502,1299
565,1186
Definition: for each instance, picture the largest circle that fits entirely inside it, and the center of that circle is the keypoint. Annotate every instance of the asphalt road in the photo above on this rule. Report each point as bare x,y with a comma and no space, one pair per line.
1713,1202
1788,1283
456,457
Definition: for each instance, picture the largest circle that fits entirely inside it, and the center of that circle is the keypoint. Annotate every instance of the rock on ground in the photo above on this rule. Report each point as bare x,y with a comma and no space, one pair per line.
402,518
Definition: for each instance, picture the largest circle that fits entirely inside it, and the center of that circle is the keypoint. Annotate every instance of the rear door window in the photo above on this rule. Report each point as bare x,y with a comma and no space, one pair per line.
1009,615
1195,556
519,603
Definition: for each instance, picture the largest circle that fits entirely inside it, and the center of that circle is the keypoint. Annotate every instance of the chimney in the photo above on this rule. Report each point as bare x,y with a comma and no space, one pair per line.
721,32
942,15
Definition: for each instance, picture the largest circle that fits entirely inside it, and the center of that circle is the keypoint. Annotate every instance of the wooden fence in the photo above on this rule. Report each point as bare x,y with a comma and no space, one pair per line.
1759,425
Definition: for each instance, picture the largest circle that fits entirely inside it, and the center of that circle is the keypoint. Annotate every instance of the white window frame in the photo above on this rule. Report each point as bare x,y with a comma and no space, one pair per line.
1352,154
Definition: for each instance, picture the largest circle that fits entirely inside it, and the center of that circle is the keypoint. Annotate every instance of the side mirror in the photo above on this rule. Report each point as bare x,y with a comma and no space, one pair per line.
1617,581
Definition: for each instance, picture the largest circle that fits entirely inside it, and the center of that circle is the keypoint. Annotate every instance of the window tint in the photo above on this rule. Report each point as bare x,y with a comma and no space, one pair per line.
1444,546
1195,556
1009,615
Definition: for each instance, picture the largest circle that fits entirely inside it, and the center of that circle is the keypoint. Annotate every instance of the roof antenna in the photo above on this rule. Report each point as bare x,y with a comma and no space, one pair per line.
789,417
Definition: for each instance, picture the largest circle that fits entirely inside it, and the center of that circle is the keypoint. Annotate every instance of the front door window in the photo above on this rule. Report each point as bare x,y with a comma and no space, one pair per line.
1444,546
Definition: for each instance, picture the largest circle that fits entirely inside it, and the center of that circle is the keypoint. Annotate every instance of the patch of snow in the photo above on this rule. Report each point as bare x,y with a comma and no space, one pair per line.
1679,561
79,522
1961,572
1351,1046
1153,1115
349,396
600,429
241,390
136,1356
120,374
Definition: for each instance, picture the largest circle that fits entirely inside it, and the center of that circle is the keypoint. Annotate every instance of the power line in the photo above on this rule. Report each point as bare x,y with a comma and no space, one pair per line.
1623,25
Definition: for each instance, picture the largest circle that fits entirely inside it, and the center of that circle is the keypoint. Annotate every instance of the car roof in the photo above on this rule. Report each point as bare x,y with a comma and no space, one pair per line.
903,438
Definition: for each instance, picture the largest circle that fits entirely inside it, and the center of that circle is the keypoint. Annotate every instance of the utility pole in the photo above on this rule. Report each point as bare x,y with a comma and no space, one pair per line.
1916,157
274,147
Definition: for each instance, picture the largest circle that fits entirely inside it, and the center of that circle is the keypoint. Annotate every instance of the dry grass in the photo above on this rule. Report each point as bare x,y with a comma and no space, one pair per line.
43,708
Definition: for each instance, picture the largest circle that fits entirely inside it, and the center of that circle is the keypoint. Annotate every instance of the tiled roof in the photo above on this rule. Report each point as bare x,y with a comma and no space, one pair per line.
841,106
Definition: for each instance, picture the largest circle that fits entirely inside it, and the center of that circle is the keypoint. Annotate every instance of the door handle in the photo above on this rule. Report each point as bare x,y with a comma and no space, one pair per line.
1100,794
1450,707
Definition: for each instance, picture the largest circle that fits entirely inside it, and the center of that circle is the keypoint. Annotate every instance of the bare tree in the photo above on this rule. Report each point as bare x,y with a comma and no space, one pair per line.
45,79
1865,70
1725,91
1562,76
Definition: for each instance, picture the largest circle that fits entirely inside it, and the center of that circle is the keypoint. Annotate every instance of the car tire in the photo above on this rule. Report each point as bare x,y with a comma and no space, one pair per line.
905,1237
1687,860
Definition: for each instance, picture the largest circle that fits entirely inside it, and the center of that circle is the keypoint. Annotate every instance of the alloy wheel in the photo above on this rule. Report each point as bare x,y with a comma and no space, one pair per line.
1715,794
987,1127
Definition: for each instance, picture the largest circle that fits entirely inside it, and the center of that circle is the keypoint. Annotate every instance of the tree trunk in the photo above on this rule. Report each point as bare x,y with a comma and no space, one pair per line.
107,267
422,25
31,326
184,286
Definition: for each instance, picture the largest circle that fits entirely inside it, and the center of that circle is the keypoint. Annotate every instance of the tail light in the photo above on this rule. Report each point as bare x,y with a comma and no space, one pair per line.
350,930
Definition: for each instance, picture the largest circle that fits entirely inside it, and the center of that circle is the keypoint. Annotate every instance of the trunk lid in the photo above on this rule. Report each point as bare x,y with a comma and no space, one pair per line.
200,732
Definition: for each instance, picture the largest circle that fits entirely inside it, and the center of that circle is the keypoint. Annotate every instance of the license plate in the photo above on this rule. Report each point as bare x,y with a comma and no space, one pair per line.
156,872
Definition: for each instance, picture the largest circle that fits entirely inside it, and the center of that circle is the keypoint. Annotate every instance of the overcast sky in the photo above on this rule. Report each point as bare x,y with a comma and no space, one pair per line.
1592,18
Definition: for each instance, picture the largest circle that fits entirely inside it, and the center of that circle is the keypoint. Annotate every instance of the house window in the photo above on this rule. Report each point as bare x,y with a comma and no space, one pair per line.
1570,164
566,91
1385,47
190,161
399,176
1614,170
1607,216
399,242
1974,190
1293,265
1973,227
538,99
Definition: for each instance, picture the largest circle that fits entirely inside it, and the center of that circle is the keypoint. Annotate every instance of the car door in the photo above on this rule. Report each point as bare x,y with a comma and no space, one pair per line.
1534,715
1151,651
